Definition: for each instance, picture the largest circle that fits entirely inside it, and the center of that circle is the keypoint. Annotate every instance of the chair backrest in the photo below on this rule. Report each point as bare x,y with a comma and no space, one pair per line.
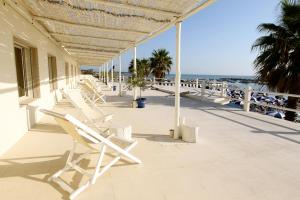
75,97
70,128
90,85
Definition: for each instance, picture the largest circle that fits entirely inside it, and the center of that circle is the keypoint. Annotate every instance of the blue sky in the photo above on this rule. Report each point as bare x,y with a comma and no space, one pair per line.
217,40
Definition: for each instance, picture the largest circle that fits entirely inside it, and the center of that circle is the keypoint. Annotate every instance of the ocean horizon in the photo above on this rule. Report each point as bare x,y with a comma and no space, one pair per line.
209,77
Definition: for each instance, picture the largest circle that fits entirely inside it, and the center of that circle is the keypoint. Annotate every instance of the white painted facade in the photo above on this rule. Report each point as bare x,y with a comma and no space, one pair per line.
16,118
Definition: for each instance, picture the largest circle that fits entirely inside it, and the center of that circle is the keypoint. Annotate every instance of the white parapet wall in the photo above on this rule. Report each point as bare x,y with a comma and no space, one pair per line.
15,117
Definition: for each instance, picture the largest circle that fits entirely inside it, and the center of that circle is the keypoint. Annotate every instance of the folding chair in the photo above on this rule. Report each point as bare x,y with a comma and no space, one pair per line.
92,93
86,136
90,111
97,117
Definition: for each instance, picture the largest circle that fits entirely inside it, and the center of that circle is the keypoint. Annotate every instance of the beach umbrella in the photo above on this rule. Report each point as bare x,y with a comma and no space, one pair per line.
271,113
271,98
279,115
253,99
276,114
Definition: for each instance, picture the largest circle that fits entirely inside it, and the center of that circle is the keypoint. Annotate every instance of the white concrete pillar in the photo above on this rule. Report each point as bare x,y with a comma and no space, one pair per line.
120,75
99,73
102,74
107,78
112,72
223,89
197,83
247,99
177,82
135,72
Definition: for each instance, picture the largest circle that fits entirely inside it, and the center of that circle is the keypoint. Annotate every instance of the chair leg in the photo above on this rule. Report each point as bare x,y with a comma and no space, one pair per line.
97,169
69,159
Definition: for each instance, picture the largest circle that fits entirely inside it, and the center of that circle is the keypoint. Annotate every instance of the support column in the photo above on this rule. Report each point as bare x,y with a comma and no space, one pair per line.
102,73
135,72
107,79
112,72
177,82
99,73
120,74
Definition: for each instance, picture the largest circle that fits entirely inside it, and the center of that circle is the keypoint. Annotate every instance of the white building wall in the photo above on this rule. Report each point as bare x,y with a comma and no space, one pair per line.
13,116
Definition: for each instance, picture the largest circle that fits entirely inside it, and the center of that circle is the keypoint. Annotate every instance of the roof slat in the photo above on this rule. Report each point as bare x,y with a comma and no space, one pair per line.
136,7
88,36
65,23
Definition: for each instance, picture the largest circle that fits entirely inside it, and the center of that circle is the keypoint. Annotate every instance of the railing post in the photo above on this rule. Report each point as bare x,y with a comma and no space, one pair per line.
223,89
247,99
197,83
203,86
154,80
135,72
112,74
106,79
120,75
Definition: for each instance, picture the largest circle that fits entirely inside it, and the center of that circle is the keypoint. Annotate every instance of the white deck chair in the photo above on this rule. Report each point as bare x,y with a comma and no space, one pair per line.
91,112
95,84
92,93
97,117
87,137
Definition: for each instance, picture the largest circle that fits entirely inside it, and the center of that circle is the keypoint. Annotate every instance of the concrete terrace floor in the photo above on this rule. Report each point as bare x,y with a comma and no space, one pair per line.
240,156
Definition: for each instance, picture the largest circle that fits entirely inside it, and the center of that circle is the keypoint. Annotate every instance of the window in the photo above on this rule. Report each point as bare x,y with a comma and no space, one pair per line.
72,71
27,71
72,74
67,76
52,72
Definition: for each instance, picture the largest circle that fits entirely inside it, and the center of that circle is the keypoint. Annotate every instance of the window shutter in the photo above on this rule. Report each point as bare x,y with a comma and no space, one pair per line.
35,73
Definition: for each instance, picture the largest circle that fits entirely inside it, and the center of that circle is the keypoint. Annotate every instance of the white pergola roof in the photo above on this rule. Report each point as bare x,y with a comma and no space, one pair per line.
94,31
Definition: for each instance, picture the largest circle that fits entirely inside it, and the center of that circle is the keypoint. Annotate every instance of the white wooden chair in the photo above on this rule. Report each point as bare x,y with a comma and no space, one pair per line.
93,141
97,117
92,93
90,111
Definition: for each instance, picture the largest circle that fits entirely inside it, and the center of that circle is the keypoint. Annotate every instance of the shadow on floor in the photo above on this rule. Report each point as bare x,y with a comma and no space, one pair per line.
47,128
40,171
157,138
210,107
260,130
41,168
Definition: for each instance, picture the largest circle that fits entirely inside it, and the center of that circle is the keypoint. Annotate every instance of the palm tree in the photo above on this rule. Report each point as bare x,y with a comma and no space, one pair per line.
142,66
160,62
278,61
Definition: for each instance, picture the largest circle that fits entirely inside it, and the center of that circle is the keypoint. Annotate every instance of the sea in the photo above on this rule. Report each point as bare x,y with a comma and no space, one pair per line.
235,81
208,77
